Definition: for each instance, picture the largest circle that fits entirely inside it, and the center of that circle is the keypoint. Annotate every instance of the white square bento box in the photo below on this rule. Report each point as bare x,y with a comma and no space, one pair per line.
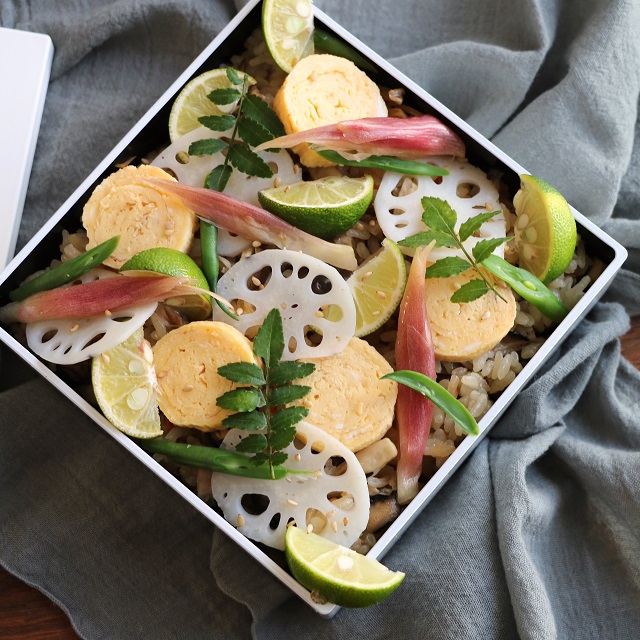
151,131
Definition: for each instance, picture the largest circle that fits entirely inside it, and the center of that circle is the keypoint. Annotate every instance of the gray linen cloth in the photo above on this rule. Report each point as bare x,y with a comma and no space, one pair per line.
537,535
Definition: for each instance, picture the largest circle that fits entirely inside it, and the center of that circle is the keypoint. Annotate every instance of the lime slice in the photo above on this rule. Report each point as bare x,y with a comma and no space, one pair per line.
192,102
124,383
377,286
324,208
337,573
545,229
288,30
172,262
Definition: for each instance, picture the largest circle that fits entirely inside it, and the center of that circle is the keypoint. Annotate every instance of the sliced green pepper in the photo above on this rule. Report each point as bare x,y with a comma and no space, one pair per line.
209,251
330,44
528,286
211,458
439,396
386,163
67,271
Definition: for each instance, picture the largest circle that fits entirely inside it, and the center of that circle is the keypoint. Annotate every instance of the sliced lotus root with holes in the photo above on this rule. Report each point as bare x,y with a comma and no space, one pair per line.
467,189
327,489
72,341
300,286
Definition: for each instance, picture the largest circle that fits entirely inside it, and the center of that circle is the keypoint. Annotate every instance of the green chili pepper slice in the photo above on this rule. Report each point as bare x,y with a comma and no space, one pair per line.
209,252
211,458
386,163
330,44
67,271
439,396
528,286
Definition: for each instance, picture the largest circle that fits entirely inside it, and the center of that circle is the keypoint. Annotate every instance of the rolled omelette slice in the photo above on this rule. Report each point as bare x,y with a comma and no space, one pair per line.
324,89
186,362
347,398
144,218
463,331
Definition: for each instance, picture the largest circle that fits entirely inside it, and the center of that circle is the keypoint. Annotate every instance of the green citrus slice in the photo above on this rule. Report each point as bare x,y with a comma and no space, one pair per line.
377,286
124,383
172,262
545,230
337,573
324,208
288,30
192,102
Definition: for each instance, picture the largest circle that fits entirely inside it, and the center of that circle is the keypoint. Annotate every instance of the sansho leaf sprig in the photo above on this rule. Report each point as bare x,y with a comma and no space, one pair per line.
441,220
255,122
261,404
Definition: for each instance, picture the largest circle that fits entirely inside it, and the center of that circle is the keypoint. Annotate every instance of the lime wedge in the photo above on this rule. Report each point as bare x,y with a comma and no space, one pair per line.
172,262
324,208
377,286
124,383
545,229
192,102
288,30
337,573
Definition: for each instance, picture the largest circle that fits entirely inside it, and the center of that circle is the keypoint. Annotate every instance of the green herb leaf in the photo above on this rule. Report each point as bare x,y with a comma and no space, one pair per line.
254,443
242,399
247,161
468,228
288,417
218,177
438,215
218,123
485,248
280,457
260,458
425,238
242,372
438,395
446,267
250,421
289,393
206,147
269,341
226,95
253,133
284,372
233,76
470,291
282,438
258,110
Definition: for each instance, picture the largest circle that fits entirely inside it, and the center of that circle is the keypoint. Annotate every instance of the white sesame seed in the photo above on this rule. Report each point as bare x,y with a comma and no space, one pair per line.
486,315
334,526
293,503
240,520
107,313
319,314
381,294
345,521
309,528
105,358
297,457
368,274
161,374
256,243
276,182
255,281
74,328
376,312
239,311
187,388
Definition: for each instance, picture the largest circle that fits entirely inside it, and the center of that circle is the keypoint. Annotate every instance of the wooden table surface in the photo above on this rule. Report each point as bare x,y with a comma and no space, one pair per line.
25,614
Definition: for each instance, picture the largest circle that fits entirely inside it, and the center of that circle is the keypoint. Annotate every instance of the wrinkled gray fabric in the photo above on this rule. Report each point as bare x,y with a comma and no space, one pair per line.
536,536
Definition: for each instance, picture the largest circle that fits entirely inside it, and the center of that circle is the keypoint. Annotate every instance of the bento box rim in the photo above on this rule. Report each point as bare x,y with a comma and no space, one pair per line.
387,540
